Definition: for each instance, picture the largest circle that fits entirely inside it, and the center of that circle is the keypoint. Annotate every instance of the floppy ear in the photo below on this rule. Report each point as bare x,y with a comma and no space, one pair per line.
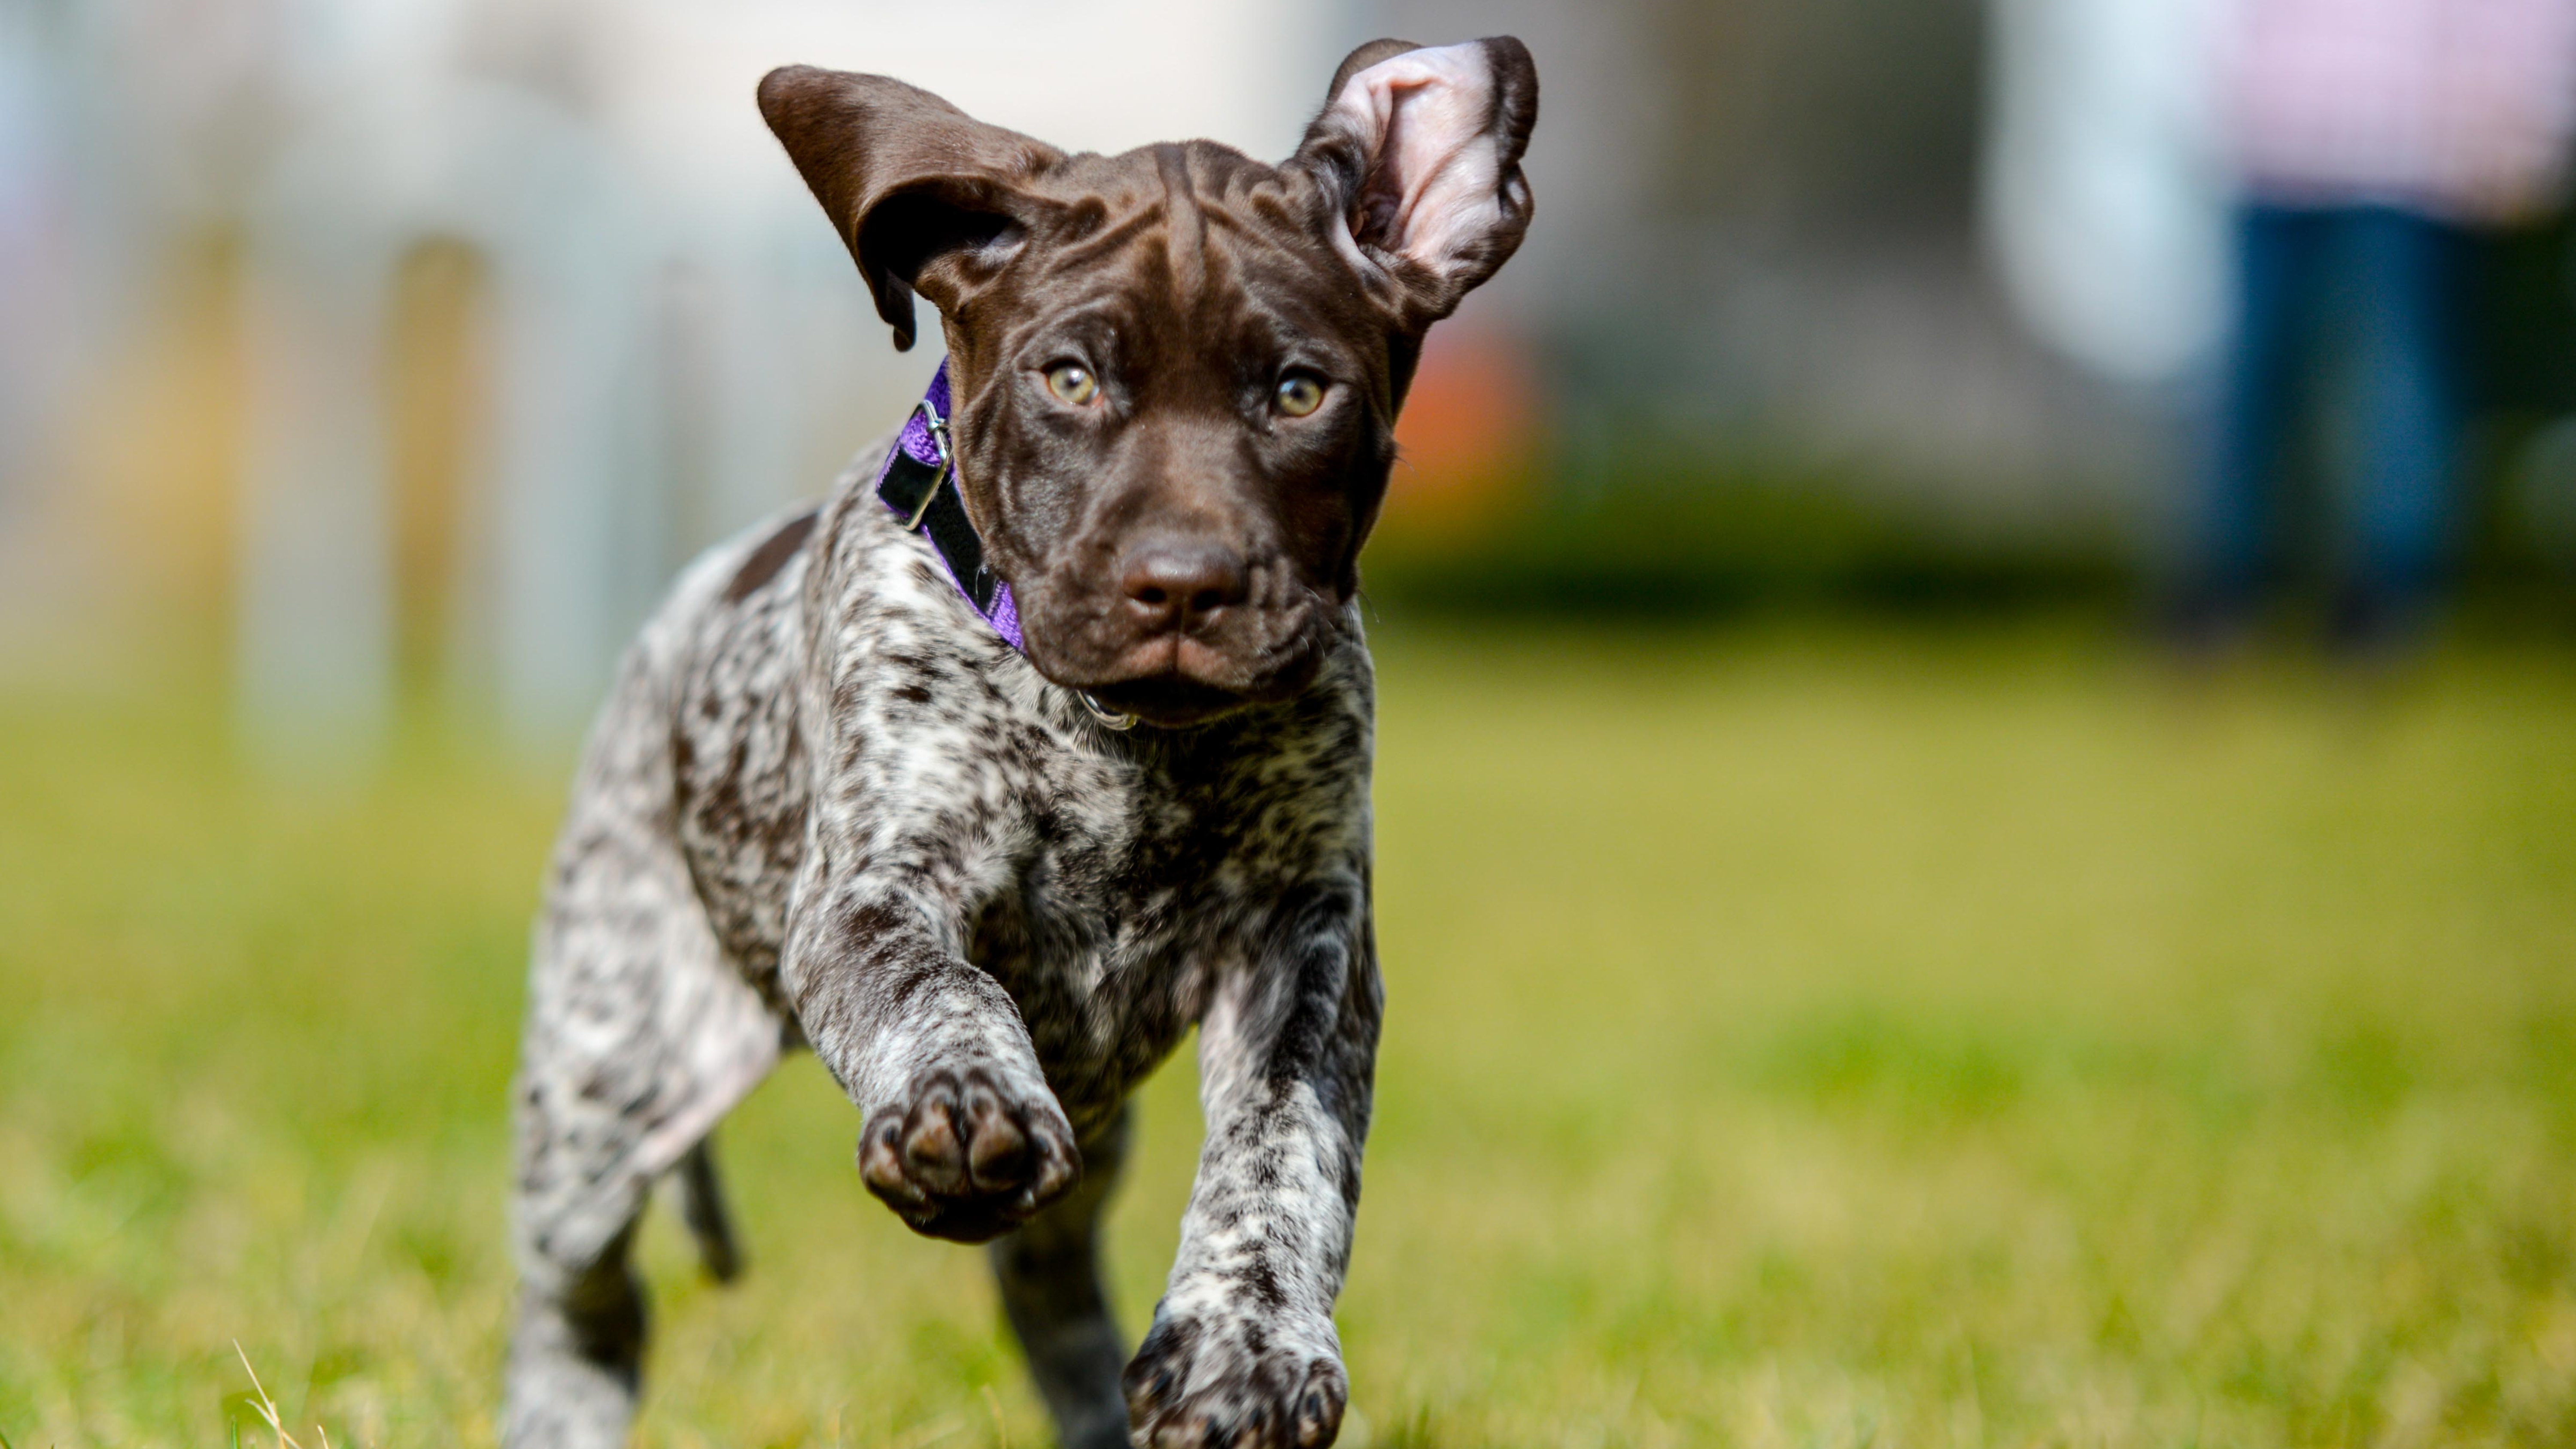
927,198
1424,147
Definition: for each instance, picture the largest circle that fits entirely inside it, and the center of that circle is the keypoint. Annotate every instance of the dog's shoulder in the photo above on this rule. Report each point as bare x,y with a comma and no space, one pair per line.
735,638
747,616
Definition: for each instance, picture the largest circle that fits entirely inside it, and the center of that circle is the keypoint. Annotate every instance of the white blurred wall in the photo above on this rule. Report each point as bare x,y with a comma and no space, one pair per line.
2105,190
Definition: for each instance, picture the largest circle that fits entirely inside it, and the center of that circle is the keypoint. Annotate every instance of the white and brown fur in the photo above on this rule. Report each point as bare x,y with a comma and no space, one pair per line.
827,806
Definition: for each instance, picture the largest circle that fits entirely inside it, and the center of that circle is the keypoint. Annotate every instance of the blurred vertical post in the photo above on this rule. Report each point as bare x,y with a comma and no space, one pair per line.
315,654
531,193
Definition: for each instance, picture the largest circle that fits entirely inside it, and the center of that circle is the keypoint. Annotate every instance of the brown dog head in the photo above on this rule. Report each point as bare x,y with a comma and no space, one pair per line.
1176,371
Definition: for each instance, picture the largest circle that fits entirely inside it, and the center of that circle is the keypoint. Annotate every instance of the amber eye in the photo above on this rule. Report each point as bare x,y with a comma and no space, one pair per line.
1073,382
1298,394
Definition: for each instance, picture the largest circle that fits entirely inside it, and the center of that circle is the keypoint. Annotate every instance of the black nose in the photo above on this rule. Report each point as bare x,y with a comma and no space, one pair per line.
1178,583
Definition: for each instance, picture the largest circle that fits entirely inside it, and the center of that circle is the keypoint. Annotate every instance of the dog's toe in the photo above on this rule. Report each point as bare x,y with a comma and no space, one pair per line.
965,1157
933,1153
881,1166
999,1157
1236,1381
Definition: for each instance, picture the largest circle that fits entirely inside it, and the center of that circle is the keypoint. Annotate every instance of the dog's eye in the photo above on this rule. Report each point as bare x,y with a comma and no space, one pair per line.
1073,382
1298,394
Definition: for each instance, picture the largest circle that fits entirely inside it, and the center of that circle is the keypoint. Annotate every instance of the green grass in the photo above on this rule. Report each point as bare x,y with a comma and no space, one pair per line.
1796,1038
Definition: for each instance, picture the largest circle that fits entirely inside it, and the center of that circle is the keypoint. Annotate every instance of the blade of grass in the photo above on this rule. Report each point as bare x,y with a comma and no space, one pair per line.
267,1409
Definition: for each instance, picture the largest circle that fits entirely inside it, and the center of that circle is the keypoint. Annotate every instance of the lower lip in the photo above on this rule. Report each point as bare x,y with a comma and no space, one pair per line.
1168,698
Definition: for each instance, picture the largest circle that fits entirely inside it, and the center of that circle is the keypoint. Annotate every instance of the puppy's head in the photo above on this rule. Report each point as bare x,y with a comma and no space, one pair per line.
1176,371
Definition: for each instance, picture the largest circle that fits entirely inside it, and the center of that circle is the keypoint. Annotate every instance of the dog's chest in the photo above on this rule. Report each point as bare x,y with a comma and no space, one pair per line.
1140,879
1098,878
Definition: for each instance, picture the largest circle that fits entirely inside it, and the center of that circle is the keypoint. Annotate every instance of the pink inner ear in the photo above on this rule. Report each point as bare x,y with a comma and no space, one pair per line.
1435,163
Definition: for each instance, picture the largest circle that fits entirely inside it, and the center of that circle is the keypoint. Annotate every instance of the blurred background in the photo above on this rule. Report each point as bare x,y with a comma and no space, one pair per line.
411,343
1980,843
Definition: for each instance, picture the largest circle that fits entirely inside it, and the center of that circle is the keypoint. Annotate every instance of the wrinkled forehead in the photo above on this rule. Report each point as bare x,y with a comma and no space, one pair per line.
1196,230
1177,178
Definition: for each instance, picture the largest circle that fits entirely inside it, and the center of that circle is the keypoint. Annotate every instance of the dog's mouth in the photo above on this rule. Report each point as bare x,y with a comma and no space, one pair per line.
1169,701
1173,682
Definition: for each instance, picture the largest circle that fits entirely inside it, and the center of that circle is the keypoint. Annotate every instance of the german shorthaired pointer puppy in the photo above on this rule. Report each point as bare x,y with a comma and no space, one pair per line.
1044,738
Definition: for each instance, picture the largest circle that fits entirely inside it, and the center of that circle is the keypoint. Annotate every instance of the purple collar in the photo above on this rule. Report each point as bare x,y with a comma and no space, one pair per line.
918,483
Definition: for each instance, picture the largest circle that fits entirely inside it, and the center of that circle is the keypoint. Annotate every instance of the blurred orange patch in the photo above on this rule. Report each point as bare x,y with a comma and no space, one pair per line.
1468,442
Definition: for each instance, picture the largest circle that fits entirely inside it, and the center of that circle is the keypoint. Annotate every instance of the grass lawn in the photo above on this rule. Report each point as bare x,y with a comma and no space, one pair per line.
1797,1037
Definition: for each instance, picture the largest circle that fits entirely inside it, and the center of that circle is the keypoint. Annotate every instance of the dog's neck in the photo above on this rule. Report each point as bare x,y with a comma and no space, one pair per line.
919,483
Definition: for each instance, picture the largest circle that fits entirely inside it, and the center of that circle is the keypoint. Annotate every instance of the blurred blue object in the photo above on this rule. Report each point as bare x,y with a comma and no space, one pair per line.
2379,285
2369,137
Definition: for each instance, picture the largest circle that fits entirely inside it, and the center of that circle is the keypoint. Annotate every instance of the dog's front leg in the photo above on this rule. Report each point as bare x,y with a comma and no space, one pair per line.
1243,1350
962,1137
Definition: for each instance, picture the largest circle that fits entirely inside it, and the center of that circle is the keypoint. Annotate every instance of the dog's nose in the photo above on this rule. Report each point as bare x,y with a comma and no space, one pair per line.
1177,583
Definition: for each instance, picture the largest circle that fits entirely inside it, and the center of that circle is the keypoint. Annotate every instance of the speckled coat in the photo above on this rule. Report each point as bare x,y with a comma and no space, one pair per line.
827,805
822,785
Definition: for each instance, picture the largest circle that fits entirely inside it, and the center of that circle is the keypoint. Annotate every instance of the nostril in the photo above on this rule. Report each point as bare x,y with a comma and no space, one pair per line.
1175,582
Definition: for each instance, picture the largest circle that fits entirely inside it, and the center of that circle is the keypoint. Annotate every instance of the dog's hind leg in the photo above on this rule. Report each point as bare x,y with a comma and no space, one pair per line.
702,1207
577,1354
1049,1271
640,1037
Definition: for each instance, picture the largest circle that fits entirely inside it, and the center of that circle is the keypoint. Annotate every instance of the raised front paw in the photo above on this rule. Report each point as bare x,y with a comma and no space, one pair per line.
963,1155
1246,1382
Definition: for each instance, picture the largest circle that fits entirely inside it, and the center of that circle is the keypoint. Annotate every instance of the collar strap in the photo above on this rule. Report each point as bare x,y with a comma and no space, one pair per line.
919,485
